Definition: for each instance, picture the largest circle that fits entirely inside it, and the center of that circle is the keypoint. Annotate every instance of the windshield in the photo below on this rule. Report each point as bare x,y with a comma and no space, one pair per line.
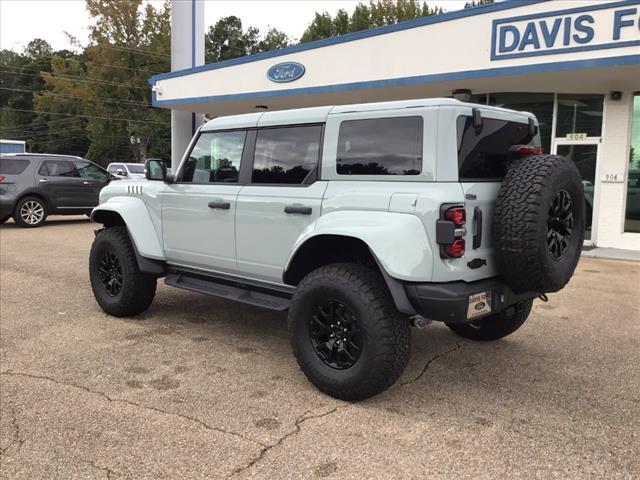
135,167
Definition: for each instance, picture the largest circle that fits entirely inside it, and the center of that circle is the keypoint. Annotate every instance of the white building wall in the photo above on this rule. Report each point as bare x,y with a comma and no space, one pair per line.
614,159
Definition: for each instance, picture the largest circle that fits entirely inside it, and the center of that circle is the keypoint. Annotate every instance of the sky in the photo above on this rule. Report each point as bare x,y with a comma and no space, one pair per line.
23,20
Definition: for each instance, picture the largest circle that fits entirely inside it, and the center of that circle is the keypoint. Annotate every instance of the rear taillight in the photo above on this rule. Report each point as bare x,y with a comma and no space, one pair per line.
525,150
1,178
450,231
454,250
457,215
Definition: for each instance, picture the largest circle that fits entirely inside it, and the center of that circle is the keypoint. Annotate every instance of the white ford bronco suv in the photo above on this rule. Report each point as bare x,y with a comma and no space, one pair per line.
360,220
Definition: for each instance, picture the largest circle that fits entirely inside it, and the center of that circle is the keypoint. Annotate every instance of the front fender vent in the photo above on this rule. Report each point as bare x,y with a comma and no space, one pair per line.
134,189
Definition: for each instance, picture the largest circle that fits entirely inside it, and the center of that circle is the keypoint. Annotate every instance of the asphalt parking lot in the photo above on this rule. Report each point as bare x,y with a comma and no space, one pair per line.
202,388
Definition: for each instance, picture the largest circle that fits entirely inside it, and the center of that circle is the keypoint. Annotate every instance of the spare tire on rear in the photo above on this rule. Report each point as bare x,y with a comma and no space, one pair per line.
539,221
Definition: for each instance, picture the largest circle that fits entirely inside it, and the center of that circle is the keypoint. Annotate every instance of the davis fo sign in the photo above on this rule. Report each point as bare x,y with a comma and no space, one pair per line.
603,26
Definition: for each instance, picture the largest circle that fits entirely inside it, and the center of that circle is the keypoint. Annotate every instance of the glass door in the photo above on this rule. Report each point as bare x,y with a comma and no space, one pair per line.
584,153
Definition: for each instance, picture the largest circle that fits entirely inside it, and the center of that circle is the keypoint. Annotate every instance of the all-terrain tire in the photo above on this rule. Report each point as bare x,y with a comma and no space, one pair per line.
385,333
30,212
493,327
112,252
524,218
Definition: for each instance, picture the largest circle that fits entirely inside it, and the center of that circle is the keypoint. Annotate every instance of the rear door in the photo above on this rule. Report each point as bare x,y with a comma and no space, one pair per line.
283,198
61,182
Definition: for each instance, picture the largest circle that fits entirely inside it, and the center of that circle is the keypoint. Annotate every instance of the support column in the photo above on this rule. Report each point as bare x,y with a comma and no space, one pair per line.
614,160
187,51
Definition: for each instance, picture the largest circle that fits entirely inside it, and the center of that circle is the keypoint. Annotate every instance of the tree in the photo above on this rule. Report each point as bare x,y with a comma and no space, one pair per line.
375,14
128,43
341,22
273,40
320,27
477,3
360,18
227,39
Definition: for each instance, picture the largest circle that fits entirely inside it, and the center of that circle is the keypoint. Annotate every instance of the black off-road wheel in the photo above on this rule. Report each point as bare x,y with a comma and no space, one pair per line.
30,212
539,223
347,336
493,327
119,286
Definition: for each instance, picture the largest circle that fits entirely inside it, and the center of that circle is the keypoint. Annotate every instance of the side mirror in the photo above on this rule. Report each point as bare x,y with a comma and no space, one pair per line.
155,169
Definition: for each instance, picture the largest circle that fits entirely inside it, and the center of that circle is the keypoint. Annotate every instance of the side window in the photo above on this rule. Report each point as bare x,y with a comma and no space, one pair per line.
9,166
214,158
90,170
58,168
380,146
113,168
287,155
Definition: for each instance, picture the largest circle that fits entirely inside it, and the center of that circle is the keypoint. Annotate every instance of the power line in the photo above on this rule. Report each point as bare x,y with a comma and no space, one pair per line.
84,116
123,68
74,78
25,133
99,99
76,136
57,123
135,50
86,62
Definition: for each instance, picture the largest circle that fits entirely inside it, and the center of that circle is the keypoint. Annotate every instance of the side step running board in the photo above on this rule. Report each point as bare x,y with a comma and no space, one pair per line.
230,292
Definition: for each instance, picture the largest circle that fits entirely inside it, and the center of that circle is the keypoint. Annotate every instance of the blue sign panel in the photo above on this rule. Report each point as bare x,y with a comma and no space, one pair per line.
285,72
596,27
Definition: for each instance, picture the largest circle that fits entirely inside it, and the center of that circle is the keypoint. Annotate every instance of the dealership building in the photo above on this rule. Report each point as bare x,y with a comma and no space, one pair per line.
574,64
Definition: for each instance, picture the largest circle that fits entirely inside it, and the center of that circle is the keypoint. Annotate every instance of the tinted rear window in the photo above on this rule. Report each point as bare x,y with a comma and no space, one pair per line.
380,146
58,168
484,155
12,166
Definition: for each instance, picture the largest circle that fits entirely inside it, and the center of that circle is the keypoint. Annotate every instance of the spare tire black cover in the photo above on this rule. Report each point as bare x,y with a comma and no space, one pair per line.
539,221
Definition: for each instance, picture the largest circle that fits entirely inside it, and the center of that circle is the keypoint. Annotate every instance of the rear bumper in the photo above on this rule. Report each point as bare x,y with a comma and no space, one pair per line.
449,302
6,208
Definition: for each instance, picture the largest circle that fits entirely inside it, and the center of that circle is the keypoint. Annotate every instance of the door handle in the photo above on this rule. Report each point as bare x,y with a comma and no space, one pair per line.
87,183
43,180
477,219
220,205
297,209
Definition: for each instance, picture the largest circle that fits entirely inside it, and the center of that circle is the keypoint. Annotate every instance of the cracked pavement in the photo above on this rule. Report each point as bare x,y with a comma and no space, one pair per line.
198,387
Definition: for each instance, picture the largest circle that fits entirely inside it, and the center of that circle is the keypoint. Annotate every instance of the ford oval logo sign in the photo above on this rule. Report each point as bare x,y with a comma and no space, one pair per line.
285,72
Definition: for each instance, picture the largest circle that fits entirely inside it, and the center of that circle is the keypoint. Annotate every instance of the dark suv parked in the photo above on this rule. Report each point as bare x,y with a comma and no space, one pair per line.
33,186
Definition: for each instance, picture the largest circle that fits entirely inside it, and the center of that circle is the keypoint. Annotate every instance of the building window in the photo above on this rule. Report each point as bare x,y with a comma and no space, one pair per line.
380,146
287,155
579,113
540,104
632,212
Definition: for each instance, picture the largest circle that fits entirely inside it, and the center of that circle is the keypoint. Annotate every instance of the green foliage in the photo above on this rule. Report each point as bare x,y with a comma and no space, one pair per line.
227,39
93,101
477,3
365,16
320,27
